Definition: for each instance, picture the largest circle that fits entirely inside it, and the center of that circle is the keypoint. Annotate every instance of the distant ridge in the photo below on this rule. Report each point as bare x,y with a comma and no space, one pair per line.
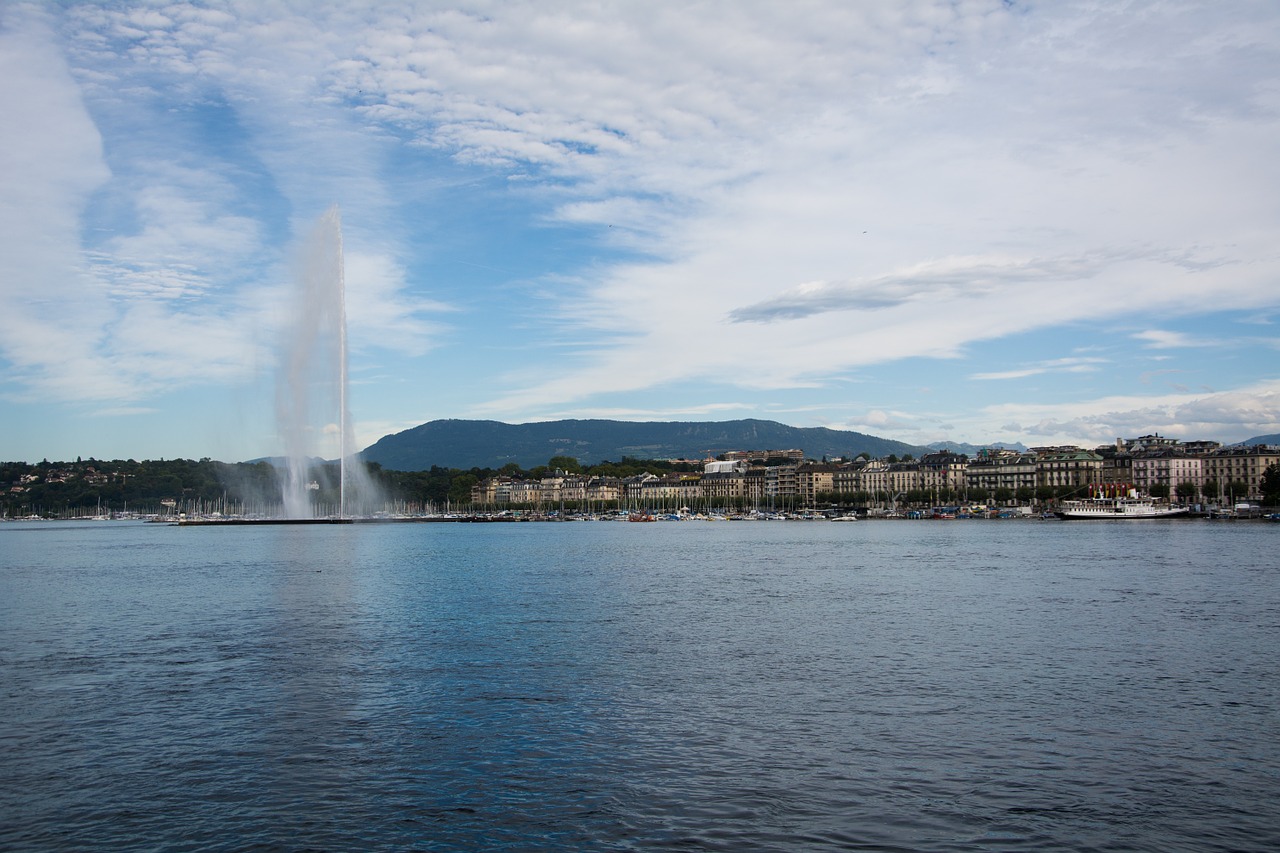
491,444
972,449
1274,438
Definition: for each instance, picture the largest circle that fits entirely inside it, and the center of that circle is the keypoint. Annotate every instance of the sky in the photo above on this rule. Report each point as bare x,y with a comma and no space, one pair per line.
1037,222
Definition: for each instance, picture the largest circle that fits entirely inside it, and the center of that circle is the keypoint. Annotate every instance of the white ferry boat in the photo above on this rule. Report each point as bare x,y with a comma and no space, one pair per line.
1129,507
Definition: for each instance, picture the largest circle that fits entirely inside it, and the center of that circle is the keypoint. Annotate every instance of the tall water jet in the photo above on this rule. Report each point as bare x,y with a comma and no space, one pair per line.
311,392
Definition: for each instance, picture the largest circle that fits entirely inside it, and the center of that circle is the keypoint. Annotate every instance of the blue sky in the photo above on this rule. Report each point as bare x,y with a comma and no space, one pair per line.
978,221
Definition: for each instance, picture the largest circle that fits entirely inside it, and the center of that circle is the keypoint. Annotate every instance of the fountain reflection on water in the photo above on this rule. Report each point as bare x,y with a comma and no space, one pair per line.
312,408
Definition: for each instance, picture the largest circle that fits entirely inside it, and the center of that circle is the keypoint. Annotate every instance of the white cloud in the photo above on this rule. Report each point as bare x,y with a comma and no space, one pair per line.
807,193
1061,365
50,163
1235,415
873,202
1164,339
381,309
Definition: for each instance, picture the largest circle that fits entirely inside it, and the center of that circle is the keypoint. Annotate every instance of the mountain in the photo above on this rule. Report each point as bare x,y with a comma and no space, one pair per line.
492,444
972,449
1274,438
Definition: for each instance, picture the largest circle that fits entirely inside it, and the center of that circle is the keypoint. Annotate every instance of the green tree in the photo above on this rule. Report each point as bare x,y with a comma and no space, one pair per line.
568,464
460,488
1212,489
1271,485
1187,491
1237,490
1160,490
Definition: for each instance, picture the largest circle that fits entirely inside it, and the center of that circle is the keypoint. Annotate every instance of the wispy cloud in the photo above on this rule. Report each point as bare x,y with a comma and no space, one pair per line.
946,279
1164,339
1235,415
1061,365
729,200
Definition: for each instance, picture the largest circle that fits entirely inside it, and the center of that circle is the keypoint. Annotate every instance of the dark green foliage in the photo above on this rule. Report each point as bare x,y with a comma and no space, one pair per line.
1271,485
568,464
54,488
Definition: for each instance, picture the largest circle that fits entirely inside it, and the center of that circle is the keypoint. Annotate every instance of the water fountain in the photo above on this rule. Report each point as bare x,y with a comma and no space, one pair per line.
312,385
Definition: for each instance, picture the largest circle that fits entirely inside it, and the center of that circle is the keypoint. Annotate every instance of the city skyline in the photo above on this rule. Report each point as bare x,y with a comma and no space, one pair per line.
927,221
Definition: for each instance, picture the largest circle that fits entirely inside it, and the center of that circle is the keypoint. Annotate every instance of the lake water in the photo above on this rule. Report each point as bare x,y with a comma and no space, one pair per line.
895,686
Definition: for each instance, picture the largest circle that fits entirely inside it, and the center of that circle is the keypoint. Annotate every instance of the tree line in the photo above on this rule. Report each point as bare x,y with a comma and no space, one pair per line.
56,489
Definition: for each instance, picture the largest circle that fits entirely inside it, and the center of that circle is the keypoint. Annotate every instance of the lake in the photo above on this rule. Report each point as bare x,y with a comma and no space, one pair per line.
791,686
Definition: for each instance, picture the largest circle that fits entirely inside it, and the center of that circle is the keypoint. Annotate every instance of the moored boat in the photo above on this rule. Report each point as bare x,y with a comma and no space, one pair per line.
1128,507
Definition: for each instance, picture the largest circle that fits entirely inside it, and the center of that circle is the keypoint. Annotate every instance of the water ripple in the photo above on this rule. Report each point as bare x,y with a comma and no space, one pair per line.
890,687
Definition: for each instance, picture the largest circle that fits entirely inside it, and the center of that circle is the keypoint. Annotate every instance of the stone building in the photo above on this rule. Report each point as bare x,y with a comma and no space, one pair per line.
1067,467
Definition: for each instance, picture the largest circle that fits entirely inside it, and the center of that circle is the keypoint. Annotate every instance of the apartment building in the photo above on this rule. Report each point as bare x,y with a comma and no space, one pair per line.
993,469
1229,465
1067,467
943,472
1145,463
813,479
1166,467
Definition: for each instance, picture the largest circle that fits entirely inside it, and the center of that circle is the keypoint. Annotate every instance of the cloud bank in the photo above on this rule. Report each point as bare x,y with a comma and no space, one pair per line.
728,207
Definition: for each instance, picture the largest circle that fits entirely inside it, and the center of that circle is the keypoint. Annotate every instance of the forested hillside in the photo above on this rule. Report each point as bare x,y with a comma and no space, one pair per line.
466,444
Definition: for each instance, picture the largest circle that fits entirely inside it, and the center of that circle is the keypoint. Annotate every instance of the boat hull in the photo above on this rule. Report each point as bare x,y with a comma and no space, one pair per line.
1120,511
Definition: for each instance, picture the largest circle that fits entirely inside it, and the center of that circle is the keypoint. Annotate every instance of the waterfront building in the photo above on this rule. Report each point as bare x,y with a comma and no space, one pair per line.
1067,467
724,487
602,490
526,492
572,488
1167,467
943,472
781,481
996,468
755,485
903,477
550,490
1117,463
485,492
872,477
1245,465
812,479
1146,463
633,488
672,490
847,479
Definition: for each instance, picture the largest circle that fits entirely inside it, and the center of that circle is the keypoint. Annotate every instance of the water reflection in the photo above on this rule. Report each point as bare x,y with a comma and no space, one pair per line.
711,687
